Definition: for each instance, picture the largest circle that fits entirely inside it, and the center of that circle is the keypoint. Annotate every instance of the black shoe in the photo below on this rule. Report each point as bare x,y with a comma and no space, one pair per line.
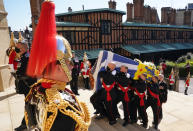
117,116
21,128
99,117
112,122
125,123
145,125
156,127
133,121
96,112
77,93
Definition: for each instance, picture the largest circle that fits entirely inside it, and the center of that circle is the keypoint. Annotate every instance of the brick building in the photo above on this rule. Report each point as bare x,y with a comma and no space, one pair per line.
137,12
177,17
97,29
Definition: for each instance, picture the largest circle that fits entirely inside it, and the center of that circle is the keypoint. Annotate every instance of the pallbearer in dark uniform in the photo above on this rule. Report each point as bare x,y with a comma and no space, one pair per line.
163,92
108,94
153,99
75,74
138,102
124,92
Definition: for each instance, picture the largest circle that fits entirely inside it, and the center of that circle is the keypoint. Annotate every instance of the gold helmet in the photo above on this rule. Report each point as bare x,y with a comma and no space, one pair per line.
172,71
85,56
20,37
13,41
188,75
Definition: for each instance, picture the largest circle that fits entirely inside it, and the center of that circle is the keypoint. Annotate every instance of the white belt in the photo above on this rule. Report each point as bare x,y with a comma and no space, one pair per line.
106,85
85,76
139,93
124,88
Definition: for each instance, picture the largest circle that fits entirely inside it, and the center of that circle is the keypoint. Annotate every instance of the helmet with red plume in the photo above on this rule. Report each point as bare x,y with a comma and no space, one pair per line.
43,49
50,53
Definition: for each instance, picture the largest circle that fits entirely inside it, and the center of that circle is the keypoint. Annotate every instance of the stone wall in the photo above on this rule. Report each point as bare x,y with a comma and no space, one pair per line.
4,44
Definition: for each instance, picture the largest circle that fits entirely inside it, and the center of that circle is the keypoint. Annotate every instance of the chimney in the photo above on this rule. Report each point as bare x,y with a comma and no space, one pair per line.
187,17
138,10
147,14
112,4
69,9
129,12
164,13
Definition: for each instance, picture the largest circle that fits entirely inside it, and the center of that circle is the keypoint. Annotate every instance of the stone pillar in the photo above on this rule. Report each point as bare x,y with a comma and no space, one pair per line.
4,44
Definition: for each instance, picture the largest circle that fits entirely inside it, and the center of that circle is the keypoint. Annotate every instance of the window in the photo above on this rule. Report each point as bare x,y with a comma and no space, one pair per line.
106,27
69,36
134,34
180,35
191,35
153,35
168,35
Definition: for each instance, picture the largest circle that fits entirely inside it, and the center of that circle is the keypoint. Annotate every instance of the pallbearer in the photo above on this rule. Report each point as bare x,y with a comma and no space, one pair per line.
108,94
163,92
153,99
139,100
124,92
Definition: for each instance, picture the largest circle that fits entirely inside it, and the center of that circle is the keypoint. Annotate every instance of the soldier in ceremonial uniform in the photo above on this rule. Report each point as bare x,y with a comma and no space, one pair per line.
23,81
124,92
107,94
187,84
75,73
50,105
171,80
163,92
13,53
138,102
153,99
85,68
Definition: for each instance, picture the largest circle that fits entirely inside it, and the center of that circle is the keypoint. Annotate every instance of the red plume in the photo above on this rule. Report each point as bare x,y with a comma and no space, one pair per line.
44,44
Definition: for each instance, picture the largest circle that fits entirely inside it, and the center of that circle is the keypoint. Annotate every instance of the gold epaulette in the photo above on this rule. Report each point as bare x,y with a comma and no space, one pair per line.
81,116
61,86
55,103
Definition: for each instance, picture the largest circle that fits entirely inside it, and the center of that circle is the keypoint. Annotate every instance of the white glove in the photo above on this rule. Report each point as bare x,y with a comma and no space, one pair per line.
114,72
128,75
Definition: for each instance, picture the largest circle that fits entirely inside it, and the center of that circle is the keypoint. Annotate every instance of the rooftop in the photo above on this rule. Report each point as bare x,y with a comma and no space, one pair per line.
72,24
91,11
135,24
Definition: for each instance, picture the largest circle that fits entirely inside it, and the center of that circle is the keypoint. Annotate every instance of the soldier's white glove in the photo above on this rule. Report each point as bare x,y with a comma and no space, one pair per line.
128,75
114,72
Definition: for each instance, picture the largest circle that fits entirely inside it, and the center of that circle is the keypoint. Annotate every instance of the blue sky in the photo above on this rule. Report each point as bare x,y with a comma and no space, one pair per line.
19,13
